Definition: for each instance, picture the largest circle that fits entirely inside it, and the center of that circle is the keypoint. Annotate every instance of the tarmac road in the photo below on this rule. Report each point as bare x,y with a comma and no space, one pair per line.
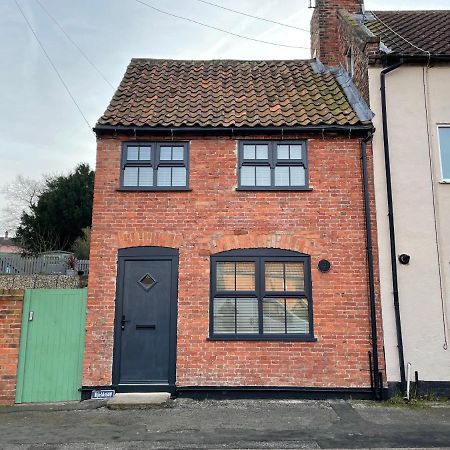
227,424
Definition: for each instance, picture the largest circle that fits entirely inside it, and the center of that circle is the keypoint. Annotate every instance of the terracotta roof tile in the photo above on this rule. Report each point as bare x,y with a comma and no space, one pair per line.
173,93
428,30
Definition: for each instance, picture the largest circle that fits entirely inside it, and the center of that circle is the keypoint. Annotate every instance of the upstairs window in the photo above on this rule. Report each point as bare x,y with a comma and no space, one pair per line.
261,294
270,165
155,166
444,151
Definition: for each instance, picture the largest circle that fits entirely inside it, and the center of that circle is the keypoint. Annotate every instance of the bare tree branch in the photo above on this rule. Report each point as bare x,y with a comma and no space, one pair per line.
21,195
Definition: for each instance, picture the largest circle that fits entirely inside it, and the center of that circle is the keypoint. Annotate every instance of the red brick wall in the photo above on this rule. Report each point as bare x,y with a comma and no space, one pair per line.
324,28
351,35
334,31
10,323
327,222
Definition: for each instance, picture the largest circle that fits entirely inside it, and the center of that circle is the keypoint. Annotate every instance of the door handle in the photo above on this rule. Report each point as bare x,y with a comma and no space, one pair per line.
123,322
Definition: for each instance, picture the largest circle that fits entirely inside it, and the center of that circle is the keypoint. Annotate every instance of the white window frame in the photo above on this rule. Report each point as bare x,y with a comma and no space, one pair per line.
443,179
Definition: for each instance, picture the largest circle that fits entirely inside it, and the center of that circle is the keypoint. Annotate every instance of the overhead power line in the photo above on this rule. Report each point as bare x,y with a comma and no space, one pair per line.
53,65
217,28
253,17
74,44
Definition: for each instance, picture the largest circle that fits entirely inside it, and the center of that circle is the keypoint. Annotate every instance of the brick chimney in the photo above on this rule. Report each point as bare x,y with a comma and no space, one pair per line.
324,28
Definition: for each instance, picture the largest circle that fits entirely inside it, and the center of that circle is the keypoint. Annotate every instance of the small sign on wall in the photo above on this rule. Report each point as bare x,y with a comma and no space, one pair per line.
103,393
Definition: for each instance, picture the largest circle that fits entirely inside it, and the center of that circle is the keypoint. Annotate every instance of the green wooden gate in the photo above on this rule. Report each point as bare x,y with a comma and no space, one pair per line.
51,345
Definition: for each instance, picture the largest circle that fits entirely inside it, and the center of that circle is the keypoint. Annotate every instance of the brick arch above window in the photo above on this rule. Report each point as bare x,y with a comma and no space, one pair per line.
299,243
256,252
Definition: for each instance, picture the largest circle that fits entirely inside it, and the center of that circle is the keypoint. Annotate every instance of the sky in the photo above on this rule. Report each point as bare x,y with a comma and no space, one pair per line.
41,129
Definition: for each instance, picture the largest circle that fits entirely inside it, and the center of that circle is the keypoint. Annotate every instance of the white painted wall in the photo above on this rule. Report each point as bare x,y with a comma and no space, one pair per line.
419,286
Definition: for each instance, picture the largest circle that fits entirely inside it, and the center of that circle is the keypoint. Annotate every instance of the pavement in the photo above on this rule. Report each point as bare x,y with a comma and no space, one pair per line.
225,424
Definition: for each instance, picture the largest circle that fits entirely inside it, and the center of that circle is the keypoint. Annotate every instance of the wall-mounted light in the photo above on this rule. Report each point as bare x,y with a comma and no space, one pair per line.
404,258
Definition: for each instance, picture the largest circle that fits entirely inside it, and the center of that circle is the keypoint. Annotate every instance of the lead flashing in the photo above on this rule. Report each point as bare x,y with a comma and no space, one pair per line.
362,110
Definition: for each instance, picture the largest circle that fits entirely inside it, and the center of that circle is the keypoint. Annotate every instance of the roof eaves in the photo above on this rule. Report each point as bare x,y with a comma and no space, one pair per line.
418,57
144,130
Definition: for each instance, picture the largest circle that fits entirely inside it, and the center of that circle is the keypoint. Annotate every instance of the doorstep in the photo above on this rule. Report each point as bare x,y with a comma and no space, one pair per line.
140,400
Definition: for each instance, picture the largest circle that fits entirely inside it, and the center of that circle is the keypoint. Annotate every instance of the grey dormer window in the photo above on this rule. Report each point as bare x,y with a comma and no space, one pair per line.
272,165
155,166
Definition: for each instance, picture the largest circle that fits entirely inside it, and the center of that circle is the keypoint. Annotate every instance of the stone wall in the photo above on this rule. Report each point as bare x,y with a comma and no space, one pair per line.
39,281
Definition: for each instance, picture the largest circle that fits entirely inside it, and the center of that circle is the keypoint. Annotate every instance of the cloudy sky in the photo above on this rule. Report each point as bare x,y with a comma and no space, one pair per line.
41,129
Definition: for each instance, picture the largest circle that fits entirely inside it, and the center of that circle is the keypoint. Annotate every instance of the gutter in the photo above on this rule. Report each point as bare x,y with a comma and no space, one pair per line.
422,58
364,130
377,381
387,164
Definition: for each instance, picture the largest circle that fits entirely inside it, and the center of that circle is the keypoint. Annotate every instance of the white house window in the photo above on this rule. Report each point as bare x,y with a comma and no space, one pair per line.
155,166
444,151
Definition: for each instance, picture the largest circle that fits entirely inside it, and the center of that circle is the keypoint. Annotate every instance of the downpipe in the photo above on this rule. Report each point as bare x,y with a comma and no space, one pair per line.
393,251
376,380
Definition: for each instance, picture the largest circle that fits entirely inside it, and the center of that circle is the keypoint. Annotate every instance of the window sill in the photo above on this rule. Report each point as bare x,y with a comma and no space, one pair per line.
263,338
444,182
138,189
285,189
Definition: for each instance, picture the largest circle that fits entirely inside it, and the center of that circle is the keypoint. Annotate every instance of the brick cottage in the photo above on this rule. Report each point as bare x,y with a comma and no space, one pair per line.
234,236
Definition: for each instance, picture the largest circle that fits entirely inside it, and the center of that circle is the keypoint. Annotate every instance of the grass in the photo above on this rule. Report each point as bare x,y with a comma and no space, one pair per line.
415,400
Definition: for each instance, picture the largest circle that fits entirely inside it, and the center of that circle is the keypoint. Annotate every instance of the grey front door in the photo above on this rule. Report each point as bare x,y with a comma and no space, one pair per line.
145,329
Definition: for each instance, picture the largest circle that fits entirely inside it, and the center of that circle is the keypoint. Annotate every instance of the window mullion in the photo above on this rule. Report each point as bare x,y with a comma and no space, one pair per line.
285,316
156,155
272,164
235,315
156,164
273,154
258,292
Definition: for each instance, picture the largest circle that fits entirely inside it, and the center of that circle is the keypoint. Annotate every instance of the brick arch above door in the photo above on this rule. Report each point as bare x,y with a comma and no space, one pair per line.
149,239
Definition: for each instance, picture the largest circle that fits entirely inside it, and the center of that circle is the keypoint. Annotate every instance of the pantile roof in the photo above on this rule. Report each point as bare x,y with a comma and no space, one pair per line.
176,93
406,32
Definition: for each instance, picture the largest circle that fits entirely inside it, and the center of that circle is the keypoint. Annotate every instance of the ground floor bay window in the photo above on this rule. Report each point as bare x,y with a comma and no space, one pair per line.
261,294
